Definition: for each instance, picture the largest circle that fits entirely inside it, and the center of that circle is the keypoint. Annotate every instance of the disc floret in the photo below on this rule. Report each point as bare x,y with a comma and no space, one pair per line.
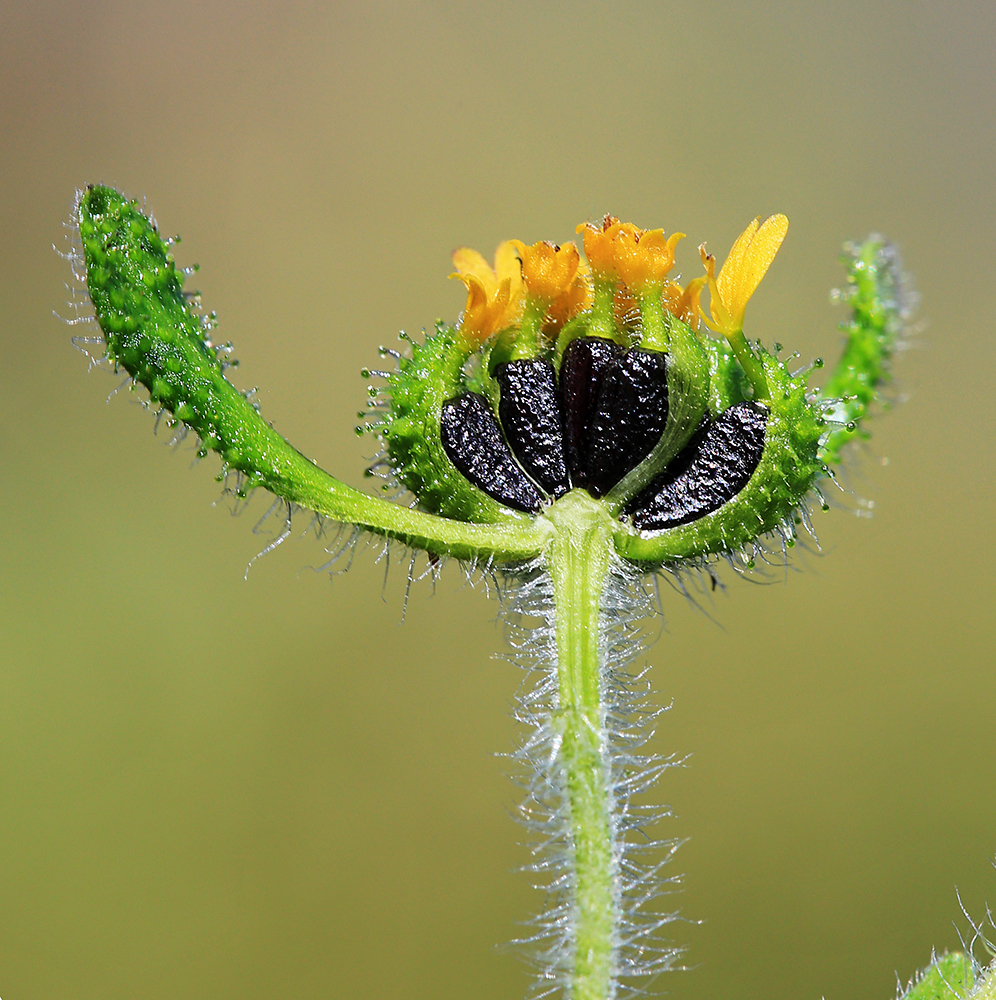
557,286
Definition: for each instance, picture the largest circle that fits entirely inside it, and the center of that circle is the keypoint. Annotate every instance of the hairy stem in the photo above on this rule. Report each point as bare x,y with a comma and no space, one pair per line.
578,558
881,303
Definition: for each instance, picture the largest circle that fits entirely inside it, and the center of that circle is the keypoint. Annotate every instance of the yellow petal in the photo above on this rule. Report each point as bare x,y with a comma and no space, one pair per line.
737,252
477,301
507,264
644,257
470,262
684,302
598,240
748,262
548,270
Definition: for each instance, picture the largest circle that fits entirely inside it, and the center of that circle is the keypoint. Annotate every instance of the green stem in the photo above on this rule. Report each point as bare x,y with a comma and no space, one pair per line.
602,322
527,338
750,363
654,332
578,559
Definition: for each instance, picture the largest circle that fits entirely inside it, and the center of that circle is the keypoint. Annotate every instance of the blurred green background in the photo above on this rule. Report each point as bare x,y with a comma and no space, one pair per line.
218,788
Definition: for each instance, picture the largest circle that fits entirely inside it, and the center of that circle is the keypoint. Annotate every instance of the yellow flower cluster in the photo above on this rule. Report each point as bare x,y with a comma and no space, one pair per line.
637,261
553,277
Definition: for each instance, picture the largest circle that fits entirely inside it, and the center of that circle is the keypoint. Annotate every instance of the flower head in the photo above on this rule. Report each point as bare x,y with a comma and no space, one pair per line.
494,294
745,266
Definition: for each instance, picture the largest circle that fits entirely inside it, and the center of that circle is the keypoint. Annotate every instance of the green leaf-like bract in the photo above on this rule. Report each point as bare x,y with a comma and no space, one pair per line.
151,331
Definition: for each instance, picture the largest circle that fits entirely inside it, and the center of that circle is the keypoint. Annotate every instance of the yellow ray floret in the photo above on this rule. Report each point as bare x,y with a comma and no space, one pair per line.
494,294
745,266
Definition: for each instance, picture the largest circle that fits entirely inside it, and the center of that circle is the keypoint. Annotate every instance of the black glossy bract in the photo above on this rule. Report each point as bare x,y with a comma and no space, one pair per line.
710,470
532,417
628,418
474,443
592,426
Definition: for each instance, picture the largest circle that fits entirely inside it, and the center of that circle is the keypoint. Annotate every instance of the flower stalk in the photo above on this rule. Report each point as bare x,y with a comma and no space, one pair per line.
577,558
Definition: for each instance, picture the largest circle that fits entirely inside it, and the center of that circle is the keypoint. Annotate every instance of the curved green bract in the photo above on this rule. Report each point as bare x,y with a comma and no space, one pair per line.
418,389
151,332
789,466
879,303
728,383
